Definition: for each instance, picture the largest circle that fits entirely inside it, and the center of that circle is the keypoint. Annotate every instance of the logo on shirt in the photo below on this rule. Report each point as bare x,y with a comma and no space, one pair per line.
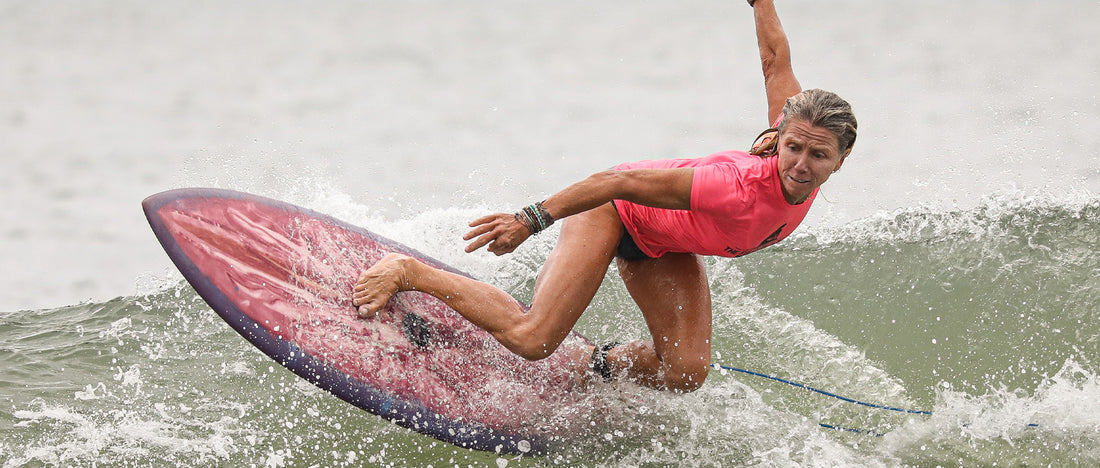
773,238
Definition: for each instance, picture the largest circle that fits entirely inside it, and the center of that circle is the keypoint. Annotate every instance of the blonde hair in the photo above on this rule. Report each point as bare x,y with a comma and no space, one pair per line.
823,109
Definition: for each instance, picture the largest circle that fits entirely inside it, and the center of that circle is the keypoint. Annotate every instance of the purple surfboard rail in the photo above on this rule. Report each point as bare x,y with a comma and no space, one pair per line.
282,275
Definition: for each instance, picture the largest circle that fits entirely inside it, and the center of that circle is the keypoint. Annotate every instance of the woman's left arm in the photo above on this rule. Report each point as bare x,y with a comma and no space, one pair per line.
660,188
775,58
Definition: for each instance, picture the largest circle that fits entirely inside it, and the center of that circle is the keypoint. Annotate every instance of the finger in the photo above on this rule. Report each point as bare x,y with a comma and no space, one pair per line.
479,243
484,219
482,229
485,239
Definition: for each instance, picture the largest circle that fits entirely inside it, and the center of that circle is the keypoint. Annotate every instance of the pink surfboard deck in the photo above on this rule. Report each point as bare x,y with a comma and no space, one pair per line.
282,276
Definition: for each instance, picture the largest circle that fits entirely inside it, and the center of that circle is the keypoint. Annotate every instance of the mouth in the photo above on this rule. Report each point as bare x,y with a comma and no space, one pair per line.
798,181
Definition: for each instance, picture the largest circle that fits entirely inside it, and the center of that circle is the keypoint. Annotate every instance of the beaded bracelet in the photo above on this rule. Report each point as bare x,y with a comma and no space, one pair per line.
525,221
535,218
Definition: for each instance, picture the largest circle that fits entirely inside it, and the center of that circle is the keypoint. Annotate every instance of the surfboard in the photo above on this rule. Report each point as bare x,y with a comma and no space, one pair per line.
282,276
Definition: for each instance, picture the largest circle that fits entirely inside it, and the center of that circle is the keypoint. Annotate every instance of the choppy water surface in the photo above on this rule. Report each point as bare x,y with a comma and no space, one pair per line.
951,266
986,317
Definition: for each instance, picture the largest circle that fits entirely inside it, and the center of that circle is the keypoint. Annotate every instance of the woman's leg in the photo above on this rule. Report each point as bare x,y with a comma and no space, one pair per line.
566,284
673,293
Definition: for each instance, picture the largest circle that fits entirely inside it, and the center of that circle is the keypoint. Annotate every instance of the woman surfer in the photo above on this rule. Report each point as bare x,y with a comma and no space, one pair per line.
656,219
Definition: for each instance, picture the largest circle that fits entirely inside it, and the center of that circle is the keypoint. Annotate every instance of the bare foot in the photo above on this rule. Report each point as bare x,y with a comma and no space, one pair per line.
379,283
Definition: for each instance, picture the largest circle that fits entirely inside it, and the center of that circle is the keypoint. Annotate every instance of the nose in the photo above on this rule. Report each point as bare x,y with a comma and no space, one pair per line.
801,163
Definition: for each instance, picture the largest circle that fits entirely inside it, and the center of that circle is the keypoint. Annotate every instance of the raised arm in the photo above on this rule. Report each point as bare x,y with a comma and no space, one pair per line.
660,188
775,57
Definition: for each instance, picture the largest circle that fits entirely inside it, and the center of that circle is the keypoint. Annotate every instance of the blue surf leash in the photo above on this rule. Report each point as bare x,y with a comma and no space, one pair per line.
828,394
831,395
823,392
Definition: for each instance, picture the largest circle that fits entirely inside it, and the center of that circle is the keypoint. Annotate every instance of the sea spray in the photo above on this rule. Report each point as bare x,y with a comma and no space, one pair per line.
158,378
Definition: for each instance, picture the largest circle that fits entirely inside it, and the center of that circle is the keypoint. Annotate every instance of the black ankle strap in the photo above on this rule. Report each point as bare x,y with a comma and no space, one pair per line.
599,361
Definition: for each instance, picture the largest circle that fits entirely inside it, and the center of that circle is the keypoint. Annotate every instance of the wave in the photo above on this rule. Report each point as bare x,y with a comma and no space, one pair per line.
1002,294
985,316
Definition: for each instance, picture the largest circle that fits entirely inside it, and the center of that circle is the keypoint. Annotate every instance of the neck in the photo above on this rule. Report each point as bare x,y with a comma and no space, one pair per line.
792,200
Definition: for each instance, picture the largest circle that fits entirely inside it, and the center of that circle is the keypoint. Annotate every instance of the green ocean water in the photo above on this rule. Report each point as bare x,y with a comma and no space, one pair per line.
987,317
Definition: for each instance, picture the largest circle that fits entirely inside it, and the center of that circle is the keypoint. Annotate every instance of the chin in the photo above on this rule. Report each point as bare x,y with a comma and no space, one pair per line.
800,192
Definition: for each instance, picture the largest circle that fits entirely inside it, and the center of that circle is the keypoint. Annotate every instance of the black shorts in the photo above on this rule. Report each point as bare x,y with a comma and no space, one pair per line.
628,249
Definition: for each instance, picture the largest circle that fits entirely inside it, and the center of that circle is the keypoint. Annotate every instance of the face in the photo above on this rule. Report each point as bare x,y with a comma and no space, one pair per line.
808,155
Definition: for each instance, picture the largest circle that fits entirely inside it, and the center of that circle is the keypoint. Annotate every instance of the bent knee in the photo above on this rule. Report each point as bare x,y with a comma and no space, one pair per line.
533,351
530,345
686,380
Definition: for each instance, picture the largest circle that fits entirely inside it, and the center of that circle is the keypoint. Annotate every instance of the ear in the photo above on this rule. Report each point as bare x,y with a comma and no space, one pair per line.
842,158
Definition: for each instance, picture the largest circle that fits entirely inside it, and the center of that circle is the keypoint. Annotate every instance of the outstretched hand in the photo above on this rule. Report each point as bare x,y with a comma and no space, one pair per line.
502,232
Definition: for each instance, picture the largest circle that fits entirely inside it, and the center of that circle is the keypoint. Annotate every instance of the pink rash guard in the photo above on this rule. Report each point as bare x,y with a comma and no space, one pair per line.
737,207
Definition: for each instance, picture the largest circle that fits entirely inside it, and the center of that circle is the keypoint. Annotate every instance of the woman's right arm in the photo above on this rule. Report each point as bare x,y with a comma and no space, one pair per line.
660,188
775,58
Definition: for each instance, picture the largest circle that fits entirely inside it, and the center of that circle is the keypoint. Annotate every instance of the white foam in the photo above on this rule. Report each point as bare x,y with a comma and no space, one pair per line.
727,423
929,220
75,438
1063,414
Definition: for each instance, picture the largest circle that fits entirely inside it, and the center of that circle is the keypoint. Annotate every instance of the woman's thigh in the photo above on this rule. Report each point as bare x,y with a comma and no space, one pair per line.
674,296
574,270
